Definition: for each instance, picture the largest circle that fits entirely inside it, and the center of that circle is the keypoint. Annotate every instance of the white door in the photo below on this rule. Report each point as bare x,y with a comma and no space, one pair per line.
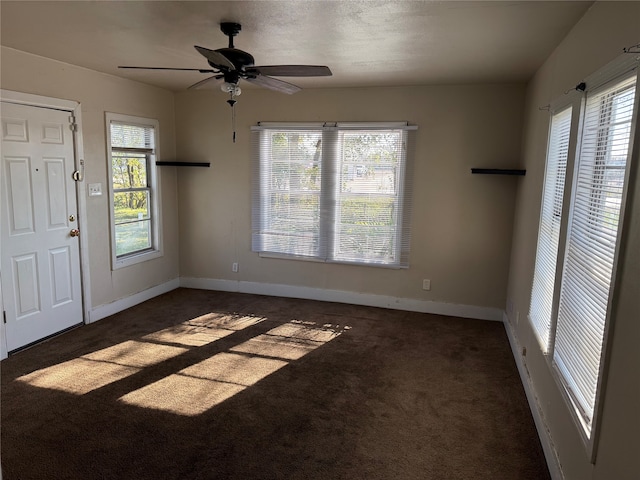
40,249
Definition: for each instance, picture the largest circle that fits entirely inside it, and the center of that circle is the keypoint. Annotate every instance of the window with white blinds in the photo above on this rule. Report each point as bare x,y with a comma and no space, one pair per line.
133,191
570,317
336,193
592,241
542,292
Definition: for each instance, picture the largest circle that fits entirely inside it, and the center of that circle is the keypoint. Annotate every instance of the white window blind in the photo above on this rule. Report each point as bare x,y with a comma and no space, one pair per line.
333,193
286,203
592,240
542,292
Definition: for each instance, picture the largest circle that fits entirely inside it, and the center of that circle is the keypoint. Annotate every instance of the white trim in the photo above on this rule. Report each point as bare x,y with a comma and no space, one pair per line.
623,227
4,352
615,72
37,100
154,180
342,296
621,65
323,243
29,99
103,311
83,221
550,453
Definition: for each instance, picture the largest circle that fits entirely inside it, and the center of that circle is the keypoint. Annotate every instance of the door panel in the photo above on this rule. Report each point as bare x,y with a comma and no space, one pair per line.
18,188
56,193
52,133
25,274
61,285
42,295
14,130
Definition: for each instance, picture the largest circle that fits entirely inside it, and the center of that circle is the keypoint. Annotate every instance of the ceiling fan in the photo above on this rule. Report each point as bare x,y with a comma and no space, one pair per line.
230,64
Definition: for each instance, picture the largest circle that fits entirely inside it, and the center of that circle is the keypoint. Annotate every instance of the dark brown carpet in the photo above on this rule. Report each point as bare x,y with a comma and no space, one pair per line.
210,385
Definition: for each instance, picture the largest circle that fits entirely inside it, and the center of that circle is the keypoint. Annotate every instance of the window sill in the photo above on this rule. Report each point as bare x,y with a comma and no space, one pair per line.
118,263
331,262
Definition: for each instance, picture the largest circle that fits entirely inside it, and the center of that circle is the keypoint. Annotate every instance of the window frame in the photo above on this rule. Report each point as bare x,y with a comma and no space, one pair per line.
331,167
617,70
153,187
574,104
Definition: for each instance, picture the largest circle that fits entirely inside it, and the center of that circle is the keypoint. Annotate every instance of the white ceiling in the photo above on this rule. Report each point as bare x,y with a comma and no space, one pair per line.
364,42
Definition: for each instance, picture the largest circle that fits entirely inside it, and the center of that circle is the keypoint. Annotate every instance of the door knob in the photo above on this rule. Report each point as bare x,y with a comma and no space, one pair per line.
74,232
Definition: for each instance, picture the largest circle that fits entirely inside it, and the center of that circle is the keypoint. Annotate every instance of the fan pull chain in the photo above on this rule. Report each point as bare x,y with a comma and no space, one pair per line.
232,103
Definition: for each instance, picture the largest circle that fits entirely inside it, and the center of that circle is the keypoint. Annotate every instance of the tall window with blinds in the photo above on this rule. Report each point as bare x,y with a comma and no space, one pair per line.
542,292
132,155
336,193
592,241
571,294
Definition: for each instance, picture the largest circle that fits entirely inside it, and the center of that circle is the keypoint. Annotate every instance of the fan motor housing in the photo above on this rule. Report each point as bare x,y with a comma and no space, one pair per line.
239,58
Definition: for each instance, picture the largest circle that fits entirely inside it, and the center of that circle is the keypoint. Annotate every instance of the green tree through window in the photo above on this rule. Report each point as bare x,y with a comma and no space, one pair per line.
132,156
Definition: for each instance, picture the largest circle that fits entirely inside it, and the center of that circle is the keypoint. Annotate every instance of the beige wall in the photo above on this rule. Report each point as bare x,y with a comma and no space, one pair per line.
461,222
99,93
597,39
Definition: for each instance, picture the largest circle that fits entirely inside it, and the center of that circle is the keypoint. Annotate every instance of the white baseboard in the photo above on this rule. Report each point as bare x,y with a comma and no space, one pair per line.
103,311
342,296
550,454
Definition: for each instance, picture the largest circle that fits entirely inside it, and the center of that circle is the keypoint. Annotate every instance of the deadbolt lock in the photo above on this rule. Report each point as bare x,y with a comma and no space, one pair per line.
72,218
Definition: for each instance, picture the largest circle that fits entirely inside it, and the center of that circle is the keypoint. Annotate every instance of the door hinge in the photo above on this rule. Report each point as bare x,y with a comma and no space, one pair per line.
4,316
72,124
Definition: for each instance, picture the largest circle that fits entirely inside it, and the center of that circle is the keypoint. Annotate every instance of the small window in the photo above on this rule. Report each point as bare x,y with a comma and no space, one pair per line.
335,193
133,189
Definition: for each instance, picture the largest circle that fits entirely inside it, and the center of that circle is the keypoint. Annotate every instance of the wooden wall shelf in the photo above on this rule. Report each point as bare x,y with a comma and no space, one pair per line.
183,164
498,171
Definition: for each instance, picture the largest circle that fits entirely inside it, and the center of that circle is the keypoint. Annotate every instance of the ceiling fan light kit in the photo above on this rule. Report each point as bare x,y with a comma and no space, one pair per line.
232,88
230,65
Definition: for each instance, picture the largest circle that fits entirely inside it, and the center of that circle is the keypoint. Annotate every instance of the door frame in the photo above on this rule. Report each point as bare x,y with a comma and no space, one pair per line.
74,108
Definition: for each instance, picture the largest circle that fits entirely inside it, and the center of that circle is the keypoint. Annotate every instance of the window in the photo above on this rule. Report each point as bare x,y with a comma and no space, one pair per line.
540,308
332,193
571,293
134,203
591,243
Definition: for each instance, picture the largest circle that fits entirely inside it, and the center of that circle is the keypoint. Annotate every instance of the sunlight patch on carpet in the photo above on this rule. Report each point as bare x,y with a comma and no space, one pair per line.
203,330
198,388
97,369
290,341
102,367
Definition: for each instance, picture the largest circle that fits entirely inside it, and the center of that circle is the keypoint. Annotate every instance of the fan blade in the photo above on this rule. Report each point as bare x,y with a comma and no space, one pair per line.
291,70
205,82
216,58
169,68
274,84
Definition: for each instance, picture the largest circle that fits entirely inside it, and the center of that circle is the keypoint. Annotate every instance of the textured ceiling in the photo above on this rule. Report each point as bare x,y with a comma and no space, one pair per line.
365,43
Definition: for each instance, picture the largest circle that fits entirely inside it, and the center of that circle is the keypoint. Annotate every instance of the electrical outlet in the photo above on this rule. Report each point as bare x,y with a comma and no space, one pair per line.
426,284
234,267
